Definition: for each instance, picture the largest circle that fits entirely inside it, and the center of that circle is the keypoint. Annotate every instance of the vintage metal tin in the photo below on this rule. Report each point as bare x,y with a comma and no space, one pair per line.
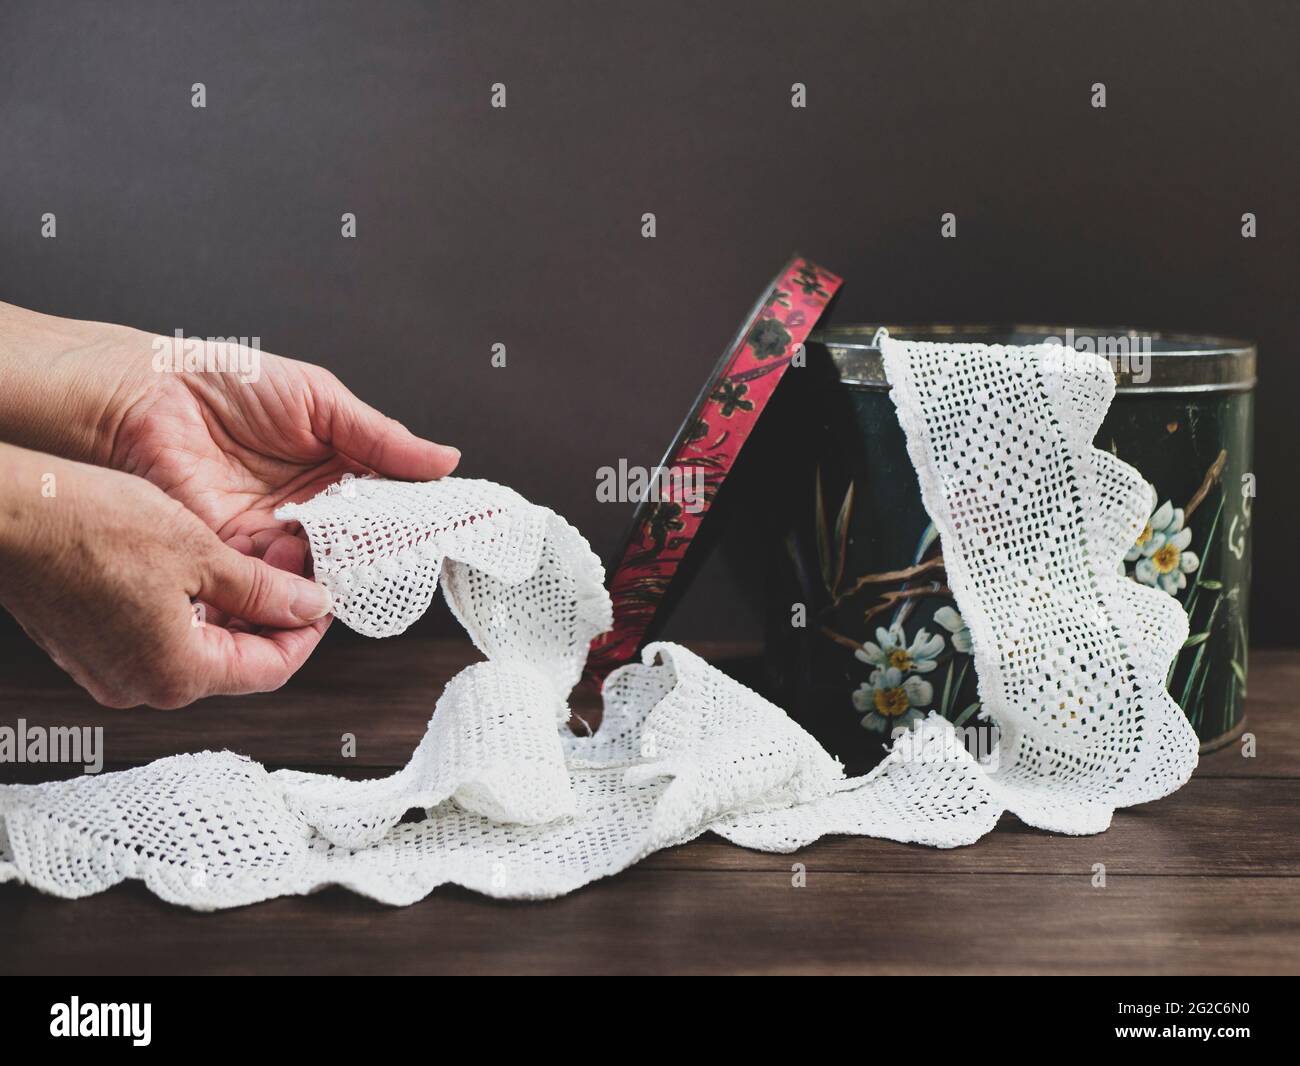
860,555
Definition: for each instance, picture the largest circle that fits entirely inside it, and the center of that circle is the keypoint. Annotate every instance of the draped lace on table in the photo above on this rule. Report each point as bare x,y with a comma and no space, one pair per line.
1071,661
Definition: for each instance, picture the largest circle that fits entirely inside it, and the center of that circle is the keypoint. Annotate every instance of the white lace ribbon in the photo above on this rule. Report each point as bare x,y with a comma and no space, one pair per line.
1071,662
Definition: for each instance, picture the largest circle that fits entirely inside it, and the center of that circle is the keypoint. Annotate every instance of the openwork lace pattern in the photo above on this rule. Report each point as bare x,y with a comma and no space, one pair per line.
1034,521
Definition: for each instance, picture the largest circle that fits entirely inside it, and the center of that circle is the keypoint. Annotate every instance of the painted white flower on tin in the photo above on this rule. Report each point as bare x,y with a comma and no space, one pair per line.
1161,554
952,621
890,700
893,651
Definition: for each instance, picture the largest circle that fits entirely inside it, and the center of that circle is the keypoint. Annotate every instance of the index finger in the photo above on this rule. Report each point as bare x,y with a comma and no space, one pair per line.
359,432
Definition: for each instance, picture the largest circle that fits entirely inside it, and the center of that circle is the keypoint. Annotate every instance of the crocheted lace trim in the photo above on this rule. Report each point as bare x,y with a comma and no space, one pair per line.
1034,521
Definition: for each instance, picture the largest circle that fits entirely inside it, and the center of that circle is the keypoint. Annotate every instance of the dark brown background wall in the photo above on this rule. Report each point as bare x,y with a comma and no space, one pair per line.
522,226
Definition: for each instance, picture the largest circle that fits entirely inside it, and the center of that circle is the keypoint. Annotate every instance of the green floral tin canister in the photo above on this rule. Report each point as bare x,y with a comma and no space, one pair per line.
875,640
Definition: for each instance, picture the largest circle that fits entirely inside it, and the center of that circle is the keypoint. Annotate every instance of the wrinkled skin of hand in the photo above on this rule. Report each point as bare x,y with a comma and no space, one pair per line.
215,456
233,451
103,575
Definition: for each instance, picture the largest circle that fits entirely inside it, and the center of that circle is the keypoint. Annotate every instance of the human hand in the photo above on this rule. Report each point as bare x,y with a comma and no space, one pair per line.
233,451
230,450
102,570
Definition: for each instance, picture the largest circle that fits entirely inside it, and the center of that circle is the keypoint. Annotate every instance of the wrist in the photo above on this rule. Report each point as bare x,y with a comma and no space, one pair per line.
63,385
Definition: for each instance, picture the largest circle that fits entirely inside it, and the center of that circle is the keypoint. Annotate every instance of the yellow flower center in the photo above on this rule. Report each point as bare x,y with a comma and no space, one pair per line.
900,659
1145,535
1166,559
891,702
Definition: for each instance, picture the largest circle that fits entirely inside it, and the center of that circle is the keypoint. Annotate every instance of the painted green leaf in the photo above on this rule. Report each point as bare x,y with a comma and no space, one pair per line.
927,538
1192,677
823,538
1197,578
841,541
945,704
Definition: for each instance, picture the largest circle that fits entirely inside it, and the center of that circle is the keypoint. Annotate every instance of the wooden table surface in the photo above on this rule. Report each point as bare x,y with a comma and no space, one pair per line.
1206,881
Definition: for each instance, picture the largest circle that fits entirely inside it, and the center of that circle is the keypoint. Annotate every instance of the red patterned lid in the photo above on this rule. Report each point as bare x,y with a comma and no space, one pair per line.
705,450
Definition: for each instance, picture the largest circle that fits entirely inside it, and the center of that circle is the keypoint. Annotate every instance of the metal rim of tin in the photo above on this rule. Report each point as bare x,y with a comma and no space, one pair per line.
1224,739
1178,362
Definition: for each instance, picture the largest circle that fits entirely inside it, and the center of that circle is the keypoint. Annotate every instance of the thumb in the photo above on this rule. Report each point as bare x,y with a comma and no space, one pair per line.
246,587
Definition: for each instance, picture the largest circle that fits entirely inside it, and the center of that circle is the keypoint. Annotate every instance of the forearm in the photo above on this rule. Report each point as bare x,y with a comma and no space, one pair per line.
36,491
62,388
28,480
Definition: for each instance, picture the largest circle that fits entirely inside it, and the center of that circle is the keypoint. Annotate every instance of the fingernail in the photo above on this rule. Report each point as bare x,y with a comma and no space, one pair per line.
311,602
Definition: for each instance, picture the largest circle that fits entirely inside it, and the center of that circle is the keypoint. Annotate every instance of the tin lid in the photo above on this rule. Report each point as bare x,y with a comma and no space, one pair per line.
1145,361
704,451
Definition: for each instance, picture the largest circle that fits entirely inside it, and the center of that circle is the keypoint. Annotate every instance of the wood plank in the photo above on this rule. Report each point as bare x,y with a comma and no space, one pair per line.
685,921
384,691
1208,828
1272,718
1207,880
